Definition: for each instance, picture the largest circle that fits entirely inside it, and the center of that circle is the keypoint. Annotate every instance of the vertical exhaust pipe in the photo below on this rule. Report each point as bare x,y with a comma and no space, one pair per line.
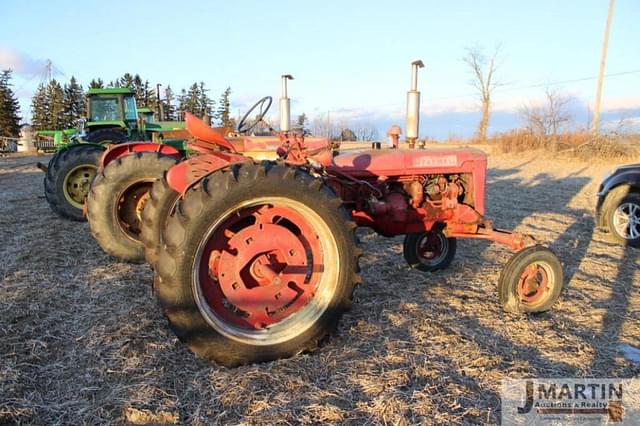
285,106
413,106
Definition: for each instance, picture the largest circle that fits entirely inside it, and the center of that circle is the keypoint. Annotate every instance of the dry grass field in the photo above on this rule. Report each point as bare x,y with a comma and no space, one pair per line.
82,340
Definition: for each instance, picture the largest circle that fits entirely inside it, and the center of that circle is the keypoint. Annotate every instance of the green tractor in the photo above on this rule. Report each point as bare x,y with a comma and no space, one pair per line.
112,118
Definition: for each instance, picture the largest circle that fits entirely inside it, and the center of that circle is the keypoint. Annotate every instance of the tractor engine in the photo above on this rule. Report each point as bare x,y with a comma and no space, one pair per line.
404,191
434,193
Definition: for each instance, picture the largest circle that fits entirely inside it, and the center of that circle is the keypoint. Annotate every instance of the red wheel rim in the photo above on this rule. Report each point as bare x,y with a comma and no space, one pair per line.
431,248
260,266
533,284
128,209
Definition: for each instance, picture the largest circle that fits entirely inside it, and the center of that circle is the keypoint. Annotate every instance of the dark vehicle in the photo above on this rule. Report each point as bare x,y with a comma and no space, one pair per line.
618,208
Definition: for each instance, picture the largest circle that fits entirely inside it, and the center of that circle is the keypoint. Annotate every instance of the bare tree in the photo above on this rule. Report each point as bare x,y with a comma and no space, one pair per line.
545,121
483,70
319,126
365,131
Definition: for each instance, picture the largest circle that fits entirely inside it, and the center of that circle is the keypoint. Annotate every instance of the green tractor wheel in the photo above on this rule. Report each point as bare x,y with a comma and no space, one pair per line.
68,180
77,183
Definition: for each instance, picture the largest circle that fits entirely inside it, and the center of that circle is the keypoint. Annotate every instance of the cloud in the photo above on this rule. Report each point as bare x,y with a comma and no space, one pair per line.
21,63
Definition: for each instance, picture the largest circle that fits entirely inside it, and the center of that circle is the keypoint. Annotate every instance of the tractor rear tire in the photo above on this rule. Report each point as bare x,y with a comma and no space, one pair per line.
266,215
69,178
107,136
116,201
531,281
160,205
429,251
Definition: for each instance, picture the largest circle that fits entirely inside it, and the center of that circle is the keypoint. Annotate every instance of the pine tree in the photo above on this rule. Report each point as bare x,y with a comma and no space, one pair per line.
190,100
40,109
205,103
74,105
96,84
55,96
127,80
138,86
223,113
167,102
9,107
148,96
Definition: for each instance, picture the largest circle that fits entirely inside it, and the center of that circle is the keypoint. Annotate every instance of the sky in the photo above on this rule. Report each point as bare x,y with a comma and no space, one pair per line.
350,59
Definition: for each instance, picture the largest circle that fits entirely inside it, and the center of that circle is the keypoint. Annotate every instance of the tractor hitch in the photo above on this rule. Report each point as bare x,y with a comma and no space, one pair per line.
42,167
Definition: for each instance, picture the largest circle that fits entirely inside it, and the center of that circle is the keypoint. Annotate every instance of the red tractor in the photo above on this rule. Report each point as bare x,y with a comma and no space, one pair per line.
259,260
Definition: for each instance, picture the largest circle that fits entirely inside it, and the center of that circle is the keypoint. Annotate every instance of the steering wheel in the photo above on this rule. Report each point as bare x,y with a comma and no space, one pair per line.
246,123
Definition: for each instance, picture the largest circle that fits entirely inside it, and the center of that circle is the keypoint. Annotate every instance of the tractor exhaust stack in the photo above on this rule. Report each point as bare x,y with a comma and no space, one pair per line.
413,106
285,106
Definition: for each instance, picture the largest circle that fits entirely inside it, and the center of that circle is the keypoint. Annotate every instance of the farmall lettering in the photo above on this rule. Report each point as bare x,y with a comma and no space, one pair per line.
444,161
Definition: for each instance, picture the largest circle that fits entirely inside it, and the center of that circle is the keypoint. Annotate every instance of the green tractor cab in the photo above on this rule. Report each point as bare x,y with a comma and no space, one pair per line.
112,116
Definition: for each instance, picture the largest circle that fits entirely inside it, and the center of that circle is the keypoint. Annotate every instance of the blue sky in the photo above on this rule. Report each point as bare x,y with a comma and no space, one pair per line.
348,57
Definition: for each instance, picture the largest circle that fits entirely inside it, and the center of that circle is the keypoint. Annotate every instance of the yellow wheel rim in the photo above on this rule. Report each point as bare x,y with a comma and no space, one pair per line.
77,183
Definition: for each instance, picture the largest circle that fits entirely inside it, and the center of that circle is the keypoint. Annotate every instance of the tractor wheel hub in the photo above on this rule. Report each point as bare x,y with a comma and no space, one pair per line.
263,273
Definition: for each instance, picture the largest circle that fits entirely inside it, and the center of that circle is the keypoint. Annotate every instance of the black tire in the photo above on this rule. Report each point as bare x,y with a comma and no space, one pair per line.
515,297
161,203
107,136
116,199
414,252
619,204
218,198
57,187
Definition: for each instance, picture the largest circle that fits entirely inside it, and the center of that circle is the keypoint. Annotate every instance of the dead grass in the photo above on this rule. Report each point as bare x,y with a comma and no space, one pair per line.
82,340
580,145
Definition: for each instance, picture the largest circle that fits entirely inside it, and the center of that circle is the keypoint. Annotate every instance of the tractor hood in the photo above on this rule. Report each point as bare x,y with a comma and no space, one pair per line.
164,126
391,162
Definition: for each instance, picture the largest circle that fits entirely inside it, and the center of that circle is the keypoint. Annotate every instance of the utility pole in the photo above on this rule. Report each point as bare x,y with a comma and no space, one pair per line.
603,58
329,125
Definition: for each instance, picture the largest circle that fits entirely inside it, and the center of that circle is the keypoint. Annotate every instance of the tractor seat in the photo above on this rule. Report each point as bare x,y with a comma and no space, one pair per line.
205,133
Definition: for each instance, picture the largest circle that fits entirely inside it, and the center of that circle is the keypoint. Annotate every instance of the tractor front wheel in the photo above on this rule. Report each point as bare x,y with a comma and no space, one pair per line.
117,199
259,262
531,281
429,251
68,179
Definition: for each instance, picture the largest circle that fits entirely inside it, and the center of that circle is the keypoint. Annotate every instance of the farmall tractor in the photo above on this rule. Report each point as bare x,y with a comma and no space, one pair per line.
130,184
112,118
259,260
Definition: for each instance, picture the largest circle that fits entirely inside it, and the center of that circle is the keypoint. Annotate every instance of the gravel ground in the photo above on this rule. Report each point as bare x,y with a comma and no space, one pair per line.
83,341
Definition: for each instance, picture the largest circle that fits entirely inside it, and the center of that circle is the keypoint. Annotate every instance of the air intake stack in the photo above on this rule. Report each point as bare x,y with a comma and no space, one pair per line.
285,106
413,106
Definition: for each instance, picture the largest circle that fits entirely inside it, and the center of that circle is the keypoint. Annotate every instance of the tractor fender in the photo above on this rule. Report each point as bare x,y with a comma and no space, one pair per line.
188,173
114,152
69,146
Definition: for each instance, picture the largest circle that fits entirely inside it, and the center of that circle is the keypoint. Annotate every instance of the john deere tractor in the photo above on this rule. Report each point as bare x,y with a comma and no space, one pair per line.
112,118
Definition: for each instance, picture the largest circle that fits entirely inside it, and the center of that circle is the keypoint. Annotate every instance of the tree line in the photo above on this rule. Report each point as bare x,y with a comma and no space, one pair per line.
57,106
